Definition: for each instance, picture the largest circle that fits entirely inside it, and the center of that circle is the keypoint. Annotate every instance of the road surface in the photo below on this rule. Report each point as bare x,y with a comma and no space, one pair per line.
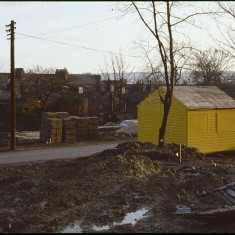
42,155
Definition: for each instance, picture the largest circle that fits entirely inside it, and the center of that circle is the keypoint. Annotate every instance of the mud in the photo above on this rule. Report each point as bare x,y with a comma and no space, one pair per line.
100,190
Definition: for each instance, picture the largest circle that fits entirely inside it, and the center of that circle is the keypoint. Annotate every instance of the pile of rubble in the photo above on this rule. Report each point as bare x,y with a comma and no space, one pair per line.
170,152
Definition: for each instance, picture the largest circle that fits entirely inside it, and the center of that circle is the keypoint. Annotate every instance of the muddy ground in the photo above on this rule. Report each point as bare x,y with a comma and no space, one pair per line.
101,189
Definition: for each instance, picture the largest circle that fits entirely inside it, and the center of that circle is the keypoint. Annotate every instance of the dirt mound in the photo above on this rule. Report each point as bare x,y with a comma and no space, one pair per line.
125,166
41,191
201,182
103,188
170,152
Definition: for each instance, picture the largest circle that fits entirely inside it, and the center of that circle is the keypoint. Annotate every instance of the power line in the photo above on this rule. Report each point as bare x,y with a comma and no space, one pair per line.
94,22
68,44
74,27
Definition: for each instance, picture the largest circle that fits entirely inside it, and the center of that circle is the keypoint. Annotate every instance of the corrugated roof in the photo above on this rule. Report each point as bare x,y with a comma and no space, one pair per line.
203,97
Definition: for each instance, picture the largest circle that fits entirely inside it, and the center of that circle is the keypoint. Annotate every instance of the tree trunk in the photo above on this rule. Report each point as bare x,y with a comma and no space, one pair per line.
162,129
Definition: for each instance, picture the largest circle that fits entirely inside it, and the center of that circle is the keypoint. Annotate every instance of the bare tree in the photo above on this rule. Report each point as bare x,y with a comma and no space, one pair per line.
163,20
228,7
42,84
226,27
117,74
210,67
151,74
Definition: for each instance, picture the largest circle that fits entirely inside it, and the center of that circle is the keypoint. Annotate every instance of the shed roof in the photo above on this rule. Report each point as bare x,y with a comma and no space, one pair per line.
203,97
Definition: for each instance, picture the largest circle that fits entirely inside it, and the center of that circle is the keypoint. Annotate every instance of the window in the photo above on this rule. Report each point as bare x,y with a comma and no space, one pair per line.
80,90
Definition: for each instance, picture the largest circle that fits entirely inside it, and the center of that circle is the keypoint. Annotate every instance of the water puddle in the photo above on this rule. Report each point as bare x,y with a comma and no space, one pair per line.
133,217
72,229
130,218
96,228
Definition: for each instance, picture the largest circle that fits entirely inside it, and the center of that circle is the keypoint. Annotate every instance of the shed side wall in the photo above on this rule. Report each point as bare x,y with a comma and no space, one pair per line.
150,113
225,129
149,117
176,131
211,130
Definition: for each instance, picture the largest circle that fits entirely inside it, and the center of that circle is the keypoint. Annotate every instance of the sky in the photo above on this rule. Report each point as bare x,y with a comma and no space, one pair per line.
75,35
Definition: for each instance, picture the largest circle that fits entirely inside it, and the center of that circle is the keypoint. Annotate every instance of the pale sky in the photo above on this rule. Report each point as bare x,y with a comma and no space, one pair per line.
92,29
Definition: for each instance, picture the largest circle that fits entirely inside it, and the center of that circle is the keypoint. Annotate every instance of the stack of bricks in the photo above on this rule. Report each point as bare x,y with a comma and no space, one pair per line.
86,128
93,131
59,126
54,129
44,133
62,115
51,127
69,130
82,128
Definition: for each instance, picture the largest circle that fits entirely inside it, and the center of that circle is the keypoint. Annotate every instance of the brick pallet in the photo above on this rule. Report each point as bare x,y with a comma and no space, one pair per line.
82,129
93,131
86,128
69,130
93,134
55,129
62,115
44,135
59,126
51,127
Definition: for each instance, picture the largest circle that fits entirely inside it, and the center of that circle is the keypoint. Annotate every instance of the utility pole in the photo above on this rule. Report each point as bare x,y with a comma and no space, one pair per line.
13,105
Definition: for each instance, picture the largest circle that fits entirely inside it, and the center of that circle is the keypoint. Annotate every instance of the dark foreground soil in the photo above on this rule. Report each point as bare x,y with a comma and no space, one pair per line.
103,188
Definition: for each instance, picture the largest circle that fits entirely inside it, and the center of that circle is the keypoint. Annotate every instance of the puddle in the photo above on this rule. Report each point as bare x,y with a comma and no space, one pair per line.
130,218
96,228
133,217
72,229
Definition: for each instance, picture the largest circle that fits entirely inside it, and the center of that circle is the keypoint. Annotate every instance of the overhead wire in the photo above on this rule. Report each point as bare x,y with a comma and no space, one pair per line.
69,44
74,27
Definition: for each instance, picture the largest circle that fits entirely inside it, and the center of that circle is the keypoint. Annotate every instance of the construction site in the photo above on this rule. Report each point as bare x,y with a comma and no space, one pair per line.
135,187
141,141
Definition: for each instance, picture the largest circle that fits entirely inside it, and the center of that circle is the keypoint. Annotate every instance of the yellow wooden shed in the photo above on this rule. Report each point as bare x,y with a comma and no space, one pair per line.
200,116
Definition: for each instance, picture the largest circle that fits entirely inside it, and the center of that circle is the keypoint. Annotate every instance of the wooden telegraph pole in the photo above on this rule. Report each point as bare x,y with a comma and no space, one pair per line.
13,105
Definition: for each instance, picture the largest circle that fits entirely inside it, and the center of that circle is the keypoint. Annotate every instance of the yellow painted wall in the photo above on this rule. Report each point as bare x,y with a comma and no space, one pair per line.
150,112
176,131
212,130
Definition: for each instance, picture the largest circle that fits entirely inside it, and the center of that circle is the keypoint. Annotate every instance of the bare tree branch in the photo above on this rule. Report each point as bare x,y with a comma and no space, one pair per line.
162,20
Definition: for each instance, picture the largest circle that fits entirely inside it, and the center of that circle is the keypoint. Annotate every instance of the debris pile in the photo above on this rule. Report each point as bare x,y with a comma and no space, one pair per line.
123,167
101,189
167,153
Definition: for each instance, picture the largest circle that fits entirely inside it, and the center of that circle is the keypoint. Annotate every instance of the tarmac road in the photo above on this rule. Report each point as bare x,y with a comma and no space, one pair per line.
41,155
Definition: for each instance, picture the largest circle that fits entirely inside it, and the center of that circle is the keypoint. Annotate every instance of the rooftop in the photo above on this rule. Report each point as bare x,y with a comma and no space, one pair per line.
203,97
